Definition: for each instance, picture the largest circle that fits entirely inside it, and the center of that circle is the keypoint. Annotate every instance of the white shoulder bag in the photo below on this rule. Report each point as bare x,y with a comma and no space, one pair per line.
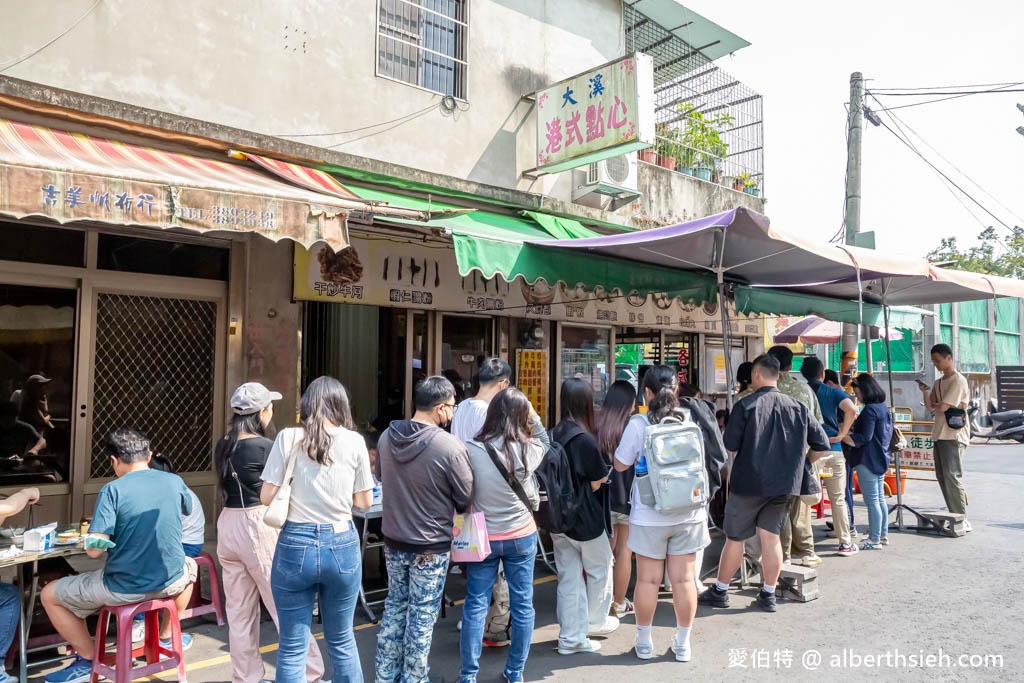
277,512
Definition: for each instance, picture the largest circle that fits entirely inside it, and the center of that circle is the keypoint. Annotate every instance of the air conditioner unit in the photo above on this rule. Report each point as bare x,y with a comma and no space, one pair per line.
615,177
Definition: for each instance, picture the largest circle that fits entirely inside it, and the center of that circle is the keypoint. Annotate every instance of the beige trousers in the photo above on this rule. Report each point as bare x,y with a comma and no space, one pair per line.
797,536
835,487
245,548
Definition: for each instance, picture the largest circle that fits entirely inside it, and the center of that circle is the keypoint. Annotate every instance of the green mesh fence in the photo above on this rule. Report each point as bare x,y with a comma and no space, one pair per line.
973,313
973,346
1008,315
946,313
1007,349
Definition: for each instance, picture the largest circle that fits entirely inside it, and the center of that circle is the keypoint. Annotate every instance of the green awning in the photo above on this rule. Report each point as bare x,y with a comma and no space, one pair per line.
495,243
561,228
760,300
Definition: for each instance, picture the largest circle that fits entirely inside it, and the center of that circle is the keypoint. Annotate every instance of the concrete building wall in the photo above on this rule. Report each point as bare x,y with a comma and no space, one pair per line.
304,66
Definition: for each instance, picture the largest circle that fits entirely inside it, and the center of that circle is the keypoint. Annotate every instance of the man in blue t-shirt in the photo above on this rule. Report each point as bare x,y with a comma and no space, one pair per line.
140,512
833,401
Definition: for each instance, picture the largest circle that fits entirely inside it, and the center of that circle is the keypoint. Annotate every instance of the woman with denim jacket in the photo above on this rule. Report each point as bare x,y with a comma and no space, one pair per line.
317,554
504,456
870,437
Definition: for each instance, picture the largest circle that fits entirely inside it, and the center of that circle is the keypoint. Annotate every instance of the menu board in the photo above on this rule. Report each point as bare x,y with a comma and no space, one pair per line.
532,377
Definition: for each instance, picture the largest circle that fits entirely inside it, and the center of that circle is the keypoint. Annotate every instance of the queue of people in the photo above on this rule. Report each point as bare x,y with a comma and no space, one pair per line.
483,455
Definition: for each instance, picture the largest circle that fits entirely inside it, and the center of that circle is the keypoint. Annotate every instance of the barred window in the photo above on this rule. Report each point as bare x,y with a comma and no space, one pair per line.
423,43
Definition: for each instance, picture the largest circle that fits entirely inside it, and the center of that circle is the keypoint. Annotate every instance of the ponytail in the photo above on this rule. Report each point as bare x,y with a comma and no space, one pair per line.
662,382
662,405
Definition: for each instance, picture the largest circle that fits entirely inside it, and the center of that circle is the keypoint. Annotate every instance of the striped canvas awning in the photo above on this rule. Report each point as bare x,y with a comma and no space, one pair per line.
67,176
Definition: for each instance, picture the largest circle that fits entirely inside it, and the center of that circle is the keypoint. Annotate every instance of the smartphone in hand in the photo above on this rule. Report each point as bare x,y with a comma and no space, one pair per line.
924,387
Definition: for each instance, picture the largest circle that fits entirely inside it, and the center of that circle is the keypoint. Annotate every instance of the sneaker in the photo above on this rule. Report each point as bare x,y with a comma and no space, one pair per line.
456,569
884,540
854,533
512,676
643,650
7,678
870,545
138,631
714,597
609,625
622,609
496,639
847,549
766,600
586,646
810,561
78,671
682,651
186,642
967,527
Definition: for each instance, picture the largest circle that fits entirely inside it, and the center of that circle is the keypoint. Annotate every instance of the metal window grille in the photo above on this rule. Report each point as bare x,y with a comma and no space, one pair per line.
684,76
154,371
423,43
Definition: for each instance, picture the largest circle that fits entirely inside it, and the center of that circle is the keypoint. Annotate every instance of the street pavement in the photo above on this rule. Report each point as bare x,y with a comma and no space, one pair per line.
921,596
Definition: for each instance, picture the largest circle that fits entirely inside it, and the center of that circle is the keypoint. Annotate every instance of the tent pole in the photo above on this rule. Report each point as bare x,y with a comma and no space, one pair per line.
726,338
888,367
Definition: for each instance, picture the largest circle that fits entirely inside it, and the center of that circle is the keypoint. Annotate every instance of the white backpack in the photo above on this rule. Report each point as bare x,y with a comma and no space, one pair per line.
674,451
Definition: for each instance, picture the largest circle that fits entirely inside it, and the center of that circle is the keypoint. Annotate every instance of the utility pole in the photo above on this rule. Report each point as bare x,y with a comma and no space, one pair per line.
855,131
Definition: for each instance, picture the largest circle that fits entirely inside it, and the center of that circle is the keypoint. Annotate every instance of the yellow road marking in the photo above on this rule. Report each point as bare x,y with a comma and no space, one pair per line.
224,659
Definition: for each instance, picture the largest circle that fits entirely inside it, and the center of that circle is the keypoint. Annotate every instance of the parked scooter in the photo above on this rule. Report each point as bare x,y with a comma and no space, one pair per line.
1007,425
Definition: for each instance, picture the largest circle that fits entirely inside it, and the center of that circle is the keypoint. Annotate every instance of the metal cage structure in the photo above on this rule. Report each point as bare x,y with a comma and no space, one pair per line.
687,86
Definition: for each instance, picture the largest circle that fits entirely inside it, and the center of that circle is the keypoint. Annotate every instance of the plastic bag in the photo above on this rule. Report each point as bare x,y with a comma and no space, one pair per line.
470,542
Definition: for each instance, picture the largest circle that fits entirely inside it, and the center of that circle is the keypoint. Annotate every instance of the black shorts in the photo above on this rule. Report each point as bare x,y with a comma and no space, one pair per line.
744,515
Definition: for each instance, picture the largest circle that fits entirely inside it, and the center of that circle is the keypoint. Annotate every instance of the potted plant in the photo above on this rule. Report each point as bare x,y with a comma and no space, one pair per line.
649,154
686,160
750,186
667,146
740,182
704,134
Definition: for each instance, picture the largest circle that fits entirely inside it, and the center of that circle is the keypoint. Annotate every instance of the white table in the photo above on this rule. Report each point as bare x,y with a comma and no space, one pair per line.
374,512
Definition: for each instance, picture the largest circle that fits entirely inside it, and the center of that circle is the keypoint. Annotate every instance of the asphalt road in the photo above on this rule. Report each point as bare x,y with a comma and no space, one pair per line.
923,595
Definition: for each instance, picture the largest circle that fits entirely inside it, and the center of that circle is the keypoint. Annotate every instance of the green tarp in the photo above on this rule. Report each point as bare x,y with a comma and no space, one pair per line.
561,228
775,302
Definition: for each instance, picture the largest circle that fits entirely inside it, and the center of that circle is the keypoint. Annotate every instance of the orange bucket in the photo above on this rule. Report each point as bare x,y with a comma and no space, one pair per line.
889,483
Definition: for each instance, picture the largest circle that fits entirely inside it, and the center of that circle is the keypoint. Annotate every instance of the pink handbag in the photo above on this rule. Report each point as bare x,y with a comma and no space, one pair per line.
470,542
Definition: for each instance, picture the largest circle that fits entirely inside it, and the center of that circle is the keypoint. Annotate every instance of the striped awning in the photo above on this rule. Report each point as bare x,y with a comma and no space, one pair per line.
67,176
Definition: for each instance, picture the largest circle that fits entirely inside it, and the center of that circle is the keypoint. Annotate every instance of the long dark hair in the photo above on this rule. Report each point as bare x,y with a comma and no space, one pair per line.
618,407
870,390
240,424
662,382
577,403
508,419
324,399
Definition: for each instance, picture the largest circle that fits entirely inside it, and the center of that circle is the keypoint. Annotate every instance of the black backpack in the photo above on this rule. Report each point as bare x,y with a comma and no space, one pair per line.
557,514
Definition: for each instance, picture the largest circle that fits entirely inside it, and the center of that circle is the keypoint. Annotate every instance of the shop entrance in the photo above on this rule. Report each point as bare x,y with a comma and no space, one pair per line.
466,341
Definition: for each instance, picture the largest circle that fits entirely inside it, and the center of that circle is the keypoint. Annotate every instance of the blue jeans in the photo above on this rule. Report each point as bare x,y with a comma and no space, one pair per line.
10,608
849,486
313,561
518,557
872,487
415,590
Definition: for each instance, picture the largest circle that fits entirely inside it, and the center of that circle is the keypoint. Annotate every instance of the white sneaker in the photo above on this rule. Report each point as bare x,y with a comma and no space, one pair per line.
138,630
682,651
609,625
643,650
622,609
584,647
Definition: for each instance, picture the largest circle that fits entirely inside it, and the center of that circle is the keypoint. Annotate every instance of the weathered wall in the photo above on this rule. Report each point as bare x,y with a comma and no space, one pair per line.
310,67
671,197
272,325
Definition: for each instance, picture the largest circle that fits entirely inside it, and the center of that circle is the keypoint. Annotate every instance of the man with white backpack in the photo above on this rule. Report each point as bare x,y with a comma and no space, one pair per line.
770,434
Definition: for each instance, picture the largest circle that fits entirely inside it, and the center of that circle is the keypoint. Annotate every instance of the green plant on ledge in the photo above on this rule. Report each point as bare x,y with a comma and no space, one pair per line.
704,134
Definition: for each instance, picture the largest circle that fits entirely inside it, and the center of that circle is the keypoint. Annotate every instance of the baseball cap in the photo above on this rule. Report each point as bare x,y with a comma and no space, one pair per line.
38,379
252,397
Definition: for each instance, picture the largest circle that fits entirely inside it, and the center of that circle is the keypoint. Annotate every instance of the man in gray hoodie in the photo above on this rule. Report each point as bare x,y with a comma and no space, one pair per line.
428,479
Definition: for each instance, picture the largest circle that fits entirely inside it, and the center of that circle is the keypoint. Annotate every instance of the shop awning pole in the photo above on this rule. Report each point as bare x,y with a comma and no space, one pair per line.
723,305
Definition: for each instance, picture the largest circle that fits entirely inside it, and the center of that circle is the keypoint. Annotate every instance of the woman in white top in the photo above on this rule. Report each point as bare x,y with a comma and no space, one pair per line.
671,539
317,552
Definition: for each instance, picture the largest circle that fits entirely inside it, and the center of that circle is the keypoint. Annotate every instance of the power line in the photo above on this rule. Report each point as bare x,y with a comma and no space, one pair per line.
897,121
28,55
948,179
952,96
400,122
949,87
954,92
355,130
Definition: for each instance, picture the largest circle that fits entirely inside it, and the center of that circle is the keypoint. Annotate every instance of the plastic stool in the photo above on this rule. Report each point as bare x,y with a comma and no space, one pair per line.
197,605
122,658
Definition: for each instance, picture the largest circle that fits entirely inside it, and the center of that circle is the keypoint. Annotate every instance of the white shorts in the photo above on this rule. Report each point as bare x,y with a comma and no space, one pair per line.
656,542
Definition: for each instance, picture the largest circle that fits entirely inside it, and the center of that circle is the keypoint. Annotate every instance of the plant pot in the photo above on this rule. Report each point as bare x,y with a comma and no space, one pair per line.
648,155
667,162
755,191
688,170
702,173
738,186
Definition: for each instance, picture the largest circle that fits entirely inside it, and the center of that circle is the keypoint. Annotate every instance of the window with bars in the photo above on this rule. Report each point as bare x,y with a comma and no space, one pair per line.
423,43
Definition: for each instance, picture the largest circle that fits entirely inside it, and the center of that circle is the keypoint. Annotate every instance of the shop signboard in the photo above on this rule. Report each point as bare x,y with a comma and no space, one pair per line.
597,114
532,377
424,275
919,454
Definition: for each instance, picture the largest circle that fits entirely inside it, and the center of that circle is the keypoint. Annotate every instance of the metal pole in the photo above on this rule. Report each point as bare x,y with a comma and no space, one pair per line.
726,339
888,367
855,129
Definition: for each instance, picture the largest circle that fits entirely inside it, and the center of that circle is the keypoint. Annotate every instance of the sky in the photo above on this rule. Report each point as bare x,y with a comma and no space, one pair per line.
800,61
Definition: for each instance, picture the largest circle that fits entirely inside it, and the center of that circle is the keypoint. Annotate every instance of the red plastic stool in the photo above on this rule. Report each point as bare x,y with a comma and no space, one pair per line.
122,658
197,605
